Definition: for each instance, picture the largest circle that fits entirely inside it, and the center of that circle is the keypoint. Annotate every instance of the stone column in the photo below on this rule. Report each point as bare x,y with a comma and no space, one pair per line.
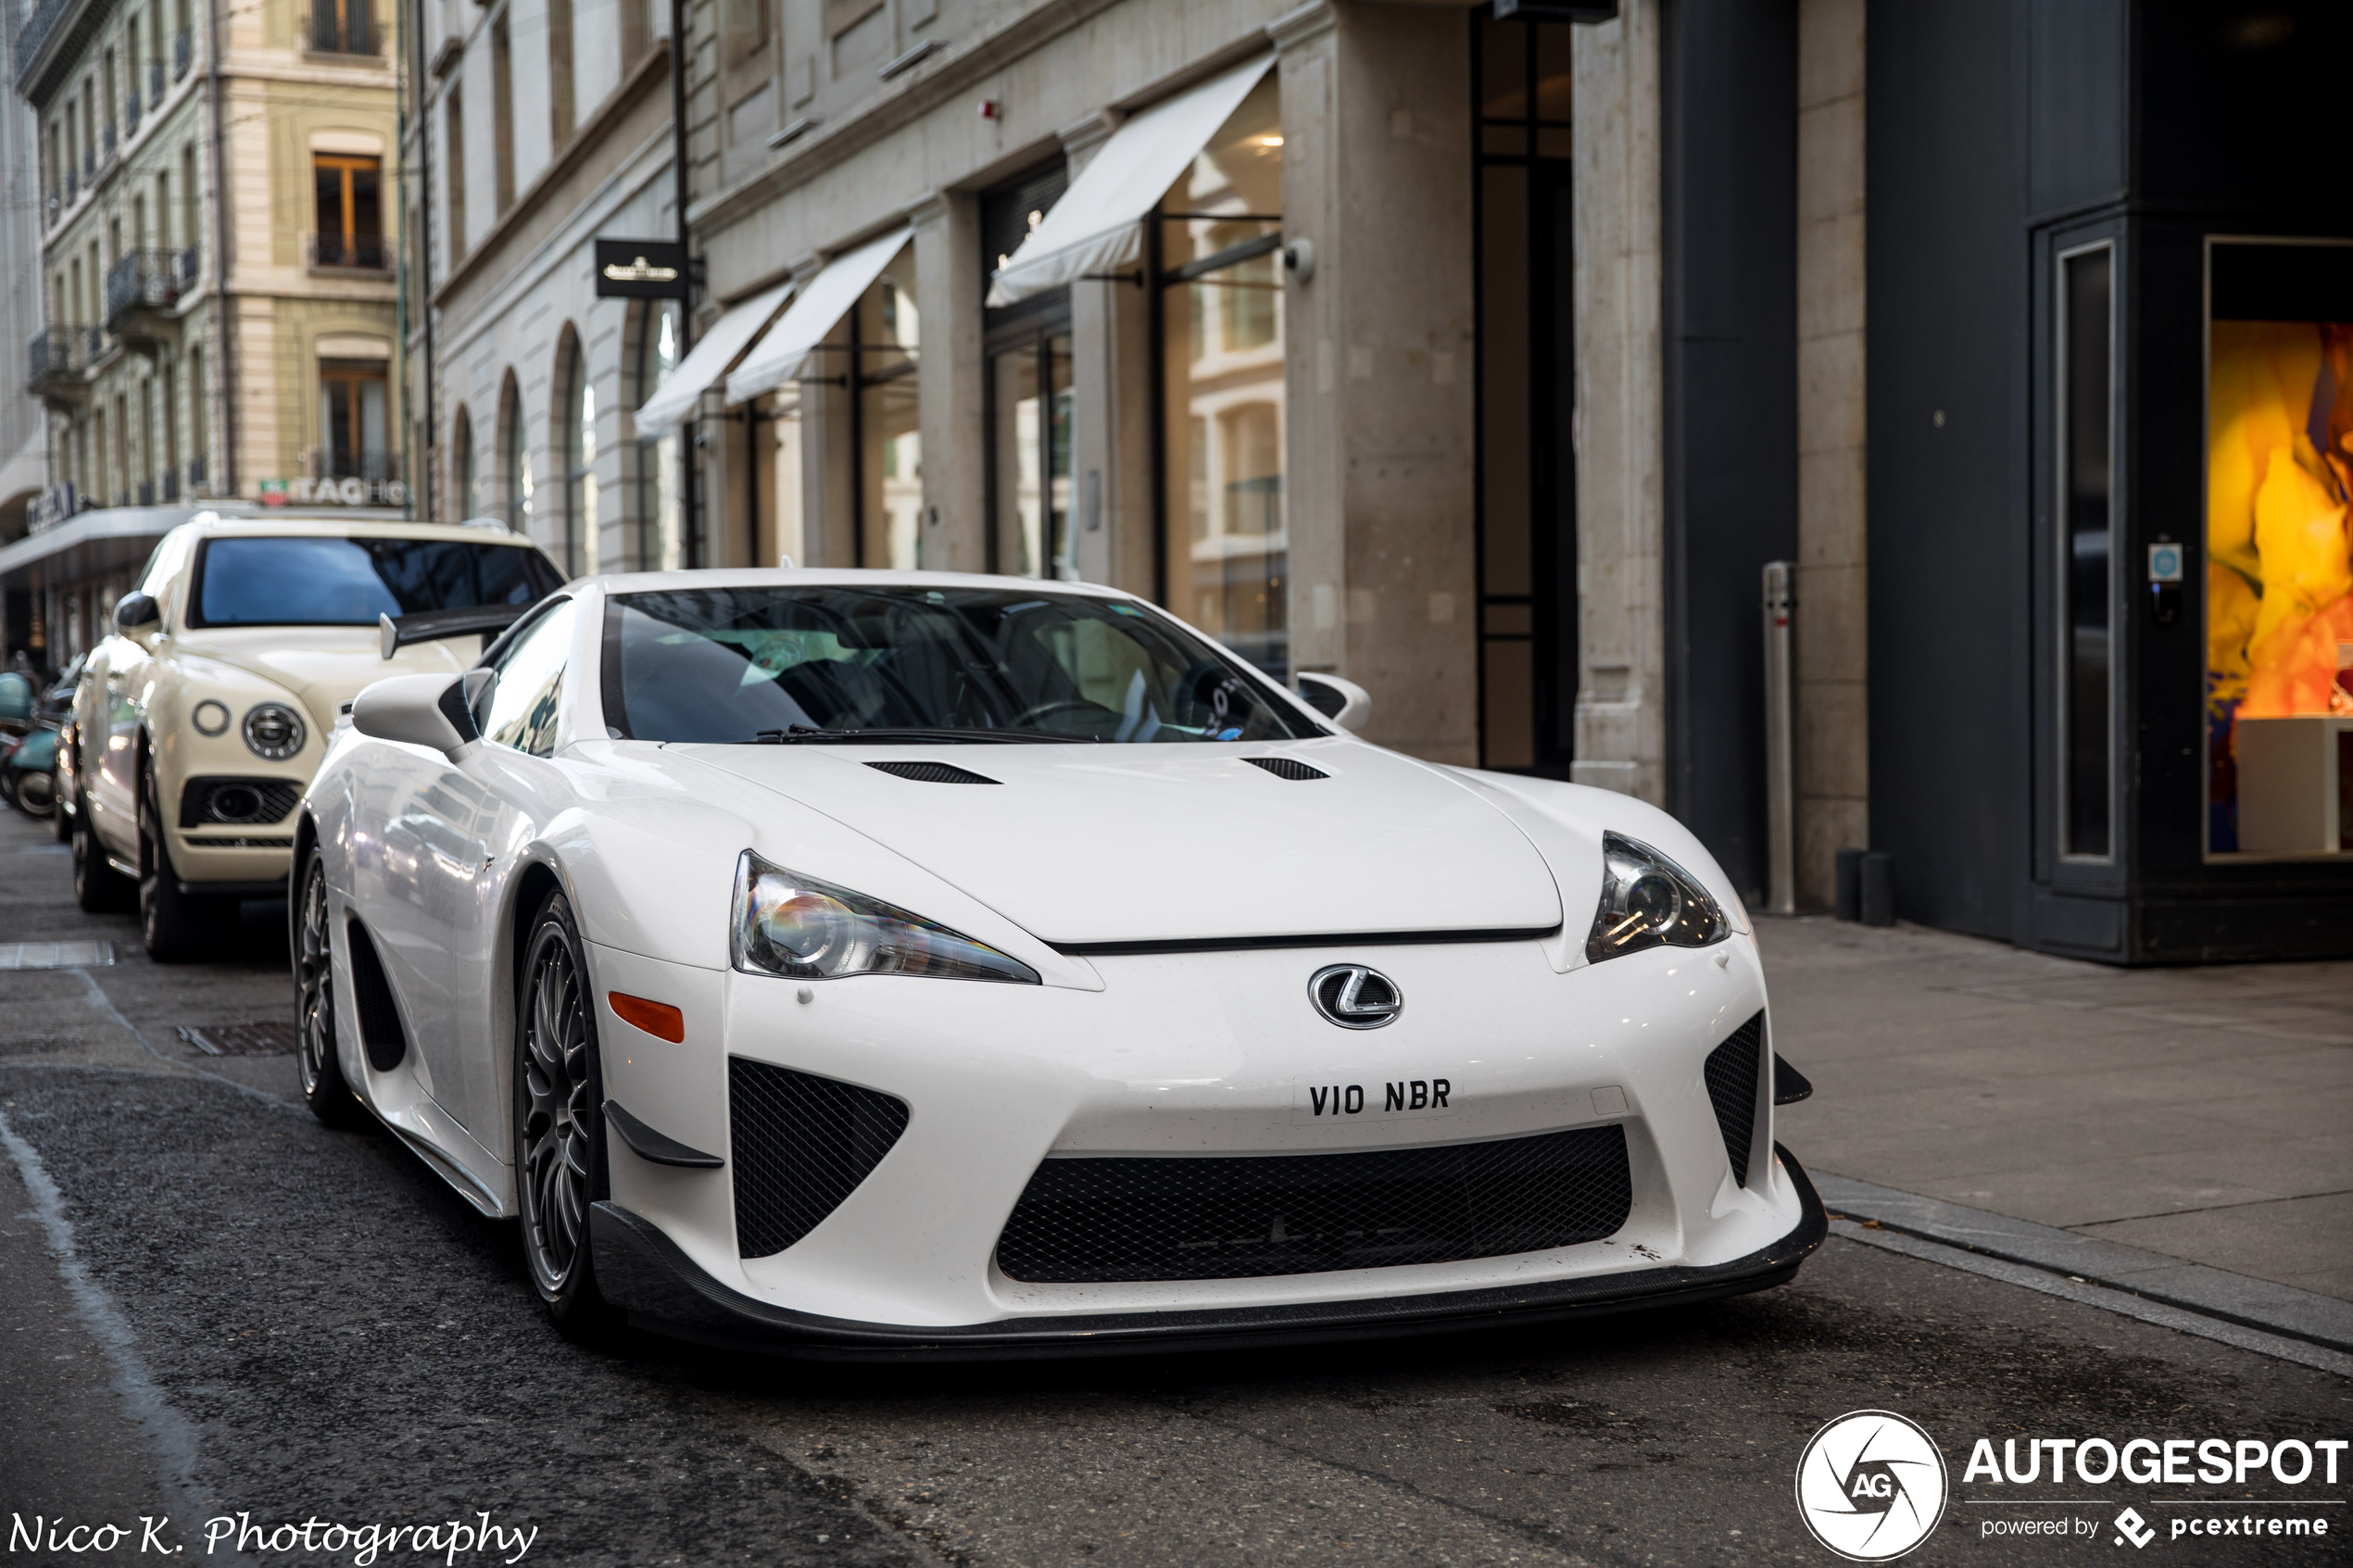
1833,733
947,368
1381,439
1620,727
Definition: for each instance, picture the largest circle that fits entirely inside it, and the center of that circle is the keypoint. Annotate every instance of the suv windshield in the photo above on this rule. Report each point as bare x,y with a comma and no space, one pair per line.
295,580
808,663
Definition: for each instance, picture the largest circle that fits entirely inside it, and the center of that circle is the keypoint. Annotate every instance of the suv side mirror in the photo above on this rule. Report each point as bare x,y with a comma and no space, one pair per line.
134,611
1343,702
428,711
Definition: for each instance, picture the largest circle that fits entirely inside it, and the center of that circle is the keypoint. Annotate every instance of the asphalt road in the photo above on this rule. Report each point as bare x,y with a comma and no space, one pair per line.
260,1316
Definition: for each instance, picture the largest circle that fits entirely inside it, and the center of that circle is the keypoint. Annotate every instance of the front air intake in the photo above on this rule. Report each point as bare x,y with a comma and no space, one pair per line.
372,998
801,1145
1091,1221
1732,1072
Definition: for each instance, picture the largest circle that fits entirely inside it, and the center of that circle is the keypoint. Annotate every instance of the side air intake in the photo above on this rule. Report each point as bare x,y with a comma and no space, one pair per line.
380,1029
1286,767
1732,1074
930,772
801,1145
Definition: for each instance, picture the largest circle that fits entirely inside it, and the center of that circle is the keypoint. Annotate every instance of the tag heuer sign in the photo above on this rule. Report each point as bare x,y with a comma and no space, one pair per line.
641,269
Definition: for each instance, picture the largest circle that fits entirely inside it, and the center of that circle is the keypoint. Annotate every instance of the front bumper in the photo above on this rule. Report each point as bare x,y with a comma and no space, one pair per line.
644,1273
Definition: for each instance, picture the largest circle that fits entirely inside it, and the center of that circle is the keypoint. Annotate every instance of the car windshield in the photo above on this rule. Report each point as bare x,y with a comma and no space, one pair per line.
295,580
784,664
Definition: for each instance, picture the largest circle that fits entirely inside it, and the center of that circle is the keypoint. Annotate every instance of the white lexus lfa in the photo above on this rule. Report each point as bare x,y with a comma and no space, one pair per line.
880,964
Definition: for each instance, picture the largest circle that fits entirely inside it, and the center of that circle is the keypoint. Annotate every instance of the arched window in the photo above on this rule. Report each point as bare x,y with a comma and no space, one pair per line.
579,459
517,460
661,542
462,500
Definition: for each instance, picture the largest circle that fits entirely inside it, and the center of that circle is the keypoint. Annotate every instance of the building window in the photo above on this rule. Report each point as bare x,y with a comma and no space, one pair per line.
580,463
886,335
350,211
560,119
2086,485
502,114
352,423
1226,541
660,542
518,462
453,166
1026,395
461,460
342,27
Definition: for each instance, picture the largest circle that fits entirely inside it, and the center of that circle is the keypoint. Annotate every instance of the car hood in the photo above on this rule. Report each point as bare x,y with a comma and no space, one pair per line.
1082,844
327,665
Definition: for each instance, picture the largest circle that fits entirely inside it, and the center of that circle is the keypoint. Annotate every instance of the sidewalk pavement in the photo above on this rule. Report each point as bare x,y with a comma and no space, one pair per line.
2202,1113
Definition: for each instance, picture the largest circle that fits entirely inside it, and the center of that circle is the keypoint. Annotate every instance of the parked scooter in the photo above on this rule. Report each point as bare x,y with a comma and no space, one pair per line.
29,719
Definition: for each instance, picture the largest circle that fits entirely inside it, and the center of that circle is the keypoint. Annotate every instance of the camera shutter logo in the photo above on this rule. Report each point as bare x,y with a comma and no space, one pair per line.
1871,1486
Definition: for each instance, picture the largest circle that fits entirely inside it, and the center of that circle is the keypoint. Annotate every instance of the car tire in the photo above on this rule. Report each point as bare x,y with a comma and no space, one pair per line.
33,794
98,888
176,927
324,1088
558,1121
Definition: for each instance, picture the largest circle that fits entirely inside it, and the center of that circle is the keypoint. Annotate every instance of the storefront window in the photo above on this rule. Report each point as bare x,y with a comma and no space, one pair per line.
2087,481
887,337
1220,238
1029,393
580,464
2279,570
519,485
659,546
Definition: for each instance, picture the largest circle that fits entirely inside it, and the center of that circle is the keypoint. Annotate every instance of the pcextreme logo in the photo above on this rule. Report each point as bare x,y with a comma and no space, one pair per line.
1871,1486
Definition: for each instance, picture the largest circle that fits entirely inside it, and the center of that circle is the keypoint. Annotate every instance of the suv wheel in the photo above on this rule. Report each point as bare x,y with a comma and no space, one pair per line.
98,888
175,927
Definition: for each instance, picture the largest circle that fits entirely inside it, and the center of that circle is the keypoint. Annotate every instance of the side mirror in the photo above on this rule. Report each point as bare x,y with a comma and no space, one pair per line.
134,611
428,711
1343,702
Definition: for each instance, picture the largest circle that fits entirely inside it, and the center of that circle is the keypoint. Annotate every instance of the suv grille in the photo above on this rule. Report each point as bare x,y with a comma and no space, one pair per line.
1188,1217
1732,1074
801,1145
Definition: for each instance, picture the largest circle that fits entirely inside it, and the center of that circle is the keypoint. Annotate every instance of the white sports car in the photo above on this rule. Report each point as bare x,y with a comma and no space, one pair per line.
863,963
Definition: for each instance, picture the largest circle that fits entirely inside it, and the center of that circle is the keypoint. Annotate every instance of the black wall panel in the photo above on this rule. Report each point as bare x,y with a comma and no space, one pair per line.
1947,322
1730,155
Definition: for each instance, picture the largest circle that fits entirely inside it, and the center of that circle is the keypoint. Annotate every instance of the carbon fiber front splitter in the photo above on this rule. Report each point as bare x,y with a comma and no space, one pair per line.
644,1273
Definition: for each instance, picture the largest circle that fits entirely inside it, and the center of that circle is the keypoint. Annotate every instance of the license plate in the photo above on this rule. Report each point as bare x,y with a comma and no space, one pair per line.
1321,1102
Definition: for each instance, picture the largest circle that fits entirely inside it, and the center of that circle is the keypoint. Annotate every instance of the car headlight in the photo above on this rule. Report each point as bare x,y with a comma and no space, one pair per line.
1649,901
273,731
797,926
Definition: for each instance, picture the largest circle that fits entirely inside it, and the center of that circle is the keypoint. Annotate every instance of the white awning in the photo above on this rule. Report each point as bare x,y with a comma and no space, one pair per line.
783,353
1093,228
709,360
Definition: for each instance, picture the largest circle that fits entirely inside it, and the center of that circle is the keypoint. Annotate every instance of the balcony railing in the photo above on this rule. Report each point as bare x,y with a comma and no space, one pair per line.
358,253
156,81
143,279
321,463
171,485
183,51
61,353
130,115
196,473
190,262
36,30
88,163
352,34
109,131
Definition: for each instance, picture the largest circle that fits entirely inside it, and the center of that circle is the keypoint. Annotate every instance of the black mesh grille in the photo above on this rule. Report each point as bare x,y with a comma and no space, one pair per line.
1225,1218
1731,1084
257,801
801,1143
380,1028
930,772
1285,768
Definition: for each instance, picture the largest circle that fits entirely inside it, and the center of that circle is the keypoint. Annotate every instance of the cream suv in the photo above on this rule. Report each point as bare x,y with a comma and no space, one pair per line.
198,723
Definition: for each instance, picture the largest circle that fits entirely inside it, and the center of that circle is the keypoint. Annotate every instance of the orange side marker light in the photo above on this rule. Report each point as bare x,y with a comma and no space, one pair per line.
658,1019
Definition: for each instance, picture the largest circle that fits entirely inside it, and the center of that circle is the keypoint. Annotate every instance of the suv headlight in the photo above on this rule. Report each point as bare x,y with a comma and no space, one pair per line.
273,731
797,926
1649,901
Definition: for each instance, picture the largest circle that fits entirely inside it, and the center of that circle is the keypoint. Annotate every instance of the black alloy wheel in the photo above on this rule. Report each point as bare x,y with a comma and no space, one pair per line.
559,1123
324,1088
175,927
98,888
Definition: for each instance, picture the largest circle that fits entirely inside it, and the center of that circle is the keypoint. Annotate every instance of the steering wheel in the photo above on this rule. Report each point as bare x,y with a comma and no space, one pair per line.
1026,718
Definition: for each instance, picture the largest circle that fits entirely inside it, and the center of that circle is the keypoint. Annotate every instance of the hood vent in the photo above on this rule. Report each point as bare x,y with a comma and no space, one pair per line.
930,772
1285,768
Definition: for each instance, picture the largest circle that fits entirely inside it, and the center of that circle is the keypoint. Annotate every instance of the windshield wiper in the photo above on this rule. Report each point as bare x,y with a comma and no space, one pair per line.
809,734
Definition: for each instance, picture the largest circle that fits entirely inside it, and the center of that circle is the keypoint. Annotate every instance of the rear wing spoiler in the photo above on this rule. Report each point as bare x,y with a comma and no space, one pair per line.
431,625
